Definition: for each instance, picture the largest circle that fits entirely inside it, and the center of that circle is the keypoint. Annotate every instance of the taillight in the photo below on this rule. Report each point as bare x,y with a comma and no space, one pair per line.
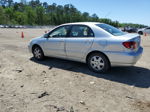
130,45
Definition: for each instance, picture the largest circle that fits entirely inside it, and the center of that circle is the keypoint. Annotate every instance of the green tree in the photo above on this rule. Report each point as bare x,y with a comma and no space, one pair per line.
85,16
31,16
40,15
95,18
3,3
2,16
35,3
9,13
10,3
37,13
20,17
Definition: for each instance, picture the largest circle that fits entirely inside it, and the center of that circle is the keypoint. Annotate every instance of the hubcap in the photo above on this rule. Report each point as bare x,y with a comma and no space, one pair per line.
37,53
97,63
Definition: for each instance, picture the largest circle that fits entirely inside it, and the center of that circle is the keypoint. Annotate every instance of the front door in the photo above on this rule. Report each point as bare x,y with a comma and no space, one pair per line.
55,43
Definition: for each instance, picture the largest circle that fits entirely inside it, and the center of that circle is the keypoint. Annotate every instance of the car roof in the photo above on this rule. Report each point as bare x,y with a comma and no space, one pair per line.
82,23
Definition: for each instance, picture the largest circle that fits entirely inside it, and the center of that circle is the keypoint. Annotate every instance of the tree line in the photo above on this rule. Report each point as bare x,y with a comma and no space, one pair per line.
35,12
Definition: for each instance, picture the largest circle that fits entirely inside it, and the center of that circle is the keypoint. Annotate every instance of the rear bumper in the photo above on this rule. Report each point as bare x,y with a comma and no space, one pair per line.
125,58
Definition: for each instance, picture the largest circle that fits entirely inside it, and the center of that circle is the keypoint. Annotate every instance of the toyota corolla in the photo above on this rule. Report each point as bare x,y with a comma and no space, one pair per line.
97,44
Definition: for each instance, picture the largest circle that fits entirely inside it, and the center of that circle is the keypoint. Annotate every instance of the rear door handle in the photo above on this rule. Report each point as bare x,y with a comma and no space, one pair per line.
87,41
61,40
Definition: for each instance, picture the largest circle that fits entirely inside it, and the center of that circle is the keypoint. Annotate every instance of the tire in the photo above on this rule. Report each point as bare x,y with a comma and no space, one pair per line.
140,33
38,53
98,62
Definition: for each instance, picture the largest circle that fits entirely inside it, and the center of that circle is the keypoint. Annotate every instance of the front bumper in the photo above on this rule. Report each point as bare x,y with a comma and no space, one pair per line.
30,48
124,58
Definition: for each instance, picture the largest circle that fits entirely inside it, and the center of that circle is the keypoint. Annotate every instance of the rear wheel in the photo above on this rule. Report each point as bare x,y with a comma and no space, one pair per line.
38,53
98,62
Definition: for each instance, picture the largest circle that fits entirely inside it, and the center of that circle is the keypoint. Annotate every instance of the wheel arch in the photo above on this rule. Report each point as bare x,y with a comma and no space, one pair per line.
97,52
36,45
140,32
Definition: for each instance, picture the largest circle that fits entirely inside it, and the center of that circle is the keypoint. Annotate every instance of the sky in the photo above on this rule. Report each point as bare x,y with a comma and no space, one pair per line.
124,11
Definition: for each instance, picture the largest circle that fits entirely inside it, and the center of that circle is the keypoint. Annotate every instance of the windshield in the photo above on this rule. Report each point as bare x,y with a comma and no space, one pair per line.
114,31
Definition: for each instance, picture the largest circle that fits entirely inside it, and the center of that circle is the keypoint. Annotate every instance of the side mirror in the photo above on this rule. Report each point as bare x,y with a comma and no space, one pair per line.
46,35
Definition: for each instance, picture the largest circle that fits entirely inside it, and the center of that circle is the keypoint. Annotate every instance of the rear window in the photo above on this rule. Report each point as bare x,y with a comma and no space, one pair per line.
112,30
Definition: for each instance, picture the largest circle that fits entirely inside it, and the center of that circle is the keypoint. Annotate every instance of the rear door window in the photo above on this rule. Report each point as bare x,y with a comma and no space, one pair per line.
81,31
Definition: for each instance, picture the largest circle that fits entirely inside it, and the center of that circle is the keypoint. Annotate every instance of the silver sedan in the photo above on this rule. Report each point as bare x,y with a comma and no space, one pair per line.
97,44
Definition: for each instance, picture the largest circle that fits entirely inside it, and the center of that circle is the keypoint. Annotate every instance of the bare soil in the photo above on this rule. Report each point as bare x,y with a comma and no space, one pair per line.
56,85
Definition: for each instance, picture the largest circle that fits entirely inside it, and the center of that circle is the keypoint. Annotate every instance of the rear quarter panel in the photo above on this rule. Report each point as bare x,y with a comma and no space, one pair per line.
110,46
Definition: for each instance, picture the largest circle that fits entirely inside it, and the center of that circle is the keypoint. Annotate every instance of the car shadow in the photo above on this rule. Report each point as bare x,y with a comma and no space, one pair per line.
133,76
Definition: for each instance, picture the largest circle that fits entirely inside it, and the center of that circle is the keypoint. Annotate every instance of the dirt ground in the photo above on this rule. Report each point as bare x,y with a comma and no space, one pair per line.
56,85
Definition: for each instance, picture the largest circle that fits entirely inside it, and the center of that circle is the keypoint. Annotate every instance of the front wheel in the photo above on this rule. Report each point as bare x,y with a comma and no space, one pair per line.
98,62
38,53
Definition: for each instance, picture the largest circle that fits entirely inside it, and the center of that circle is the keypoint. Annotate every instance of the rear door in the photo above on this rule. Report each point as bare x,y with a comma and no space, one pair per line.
79,41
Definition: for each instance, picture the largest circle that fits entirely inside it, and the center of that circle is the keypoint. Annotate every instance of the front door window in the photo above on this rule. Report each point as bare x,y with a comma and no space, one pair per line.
60,32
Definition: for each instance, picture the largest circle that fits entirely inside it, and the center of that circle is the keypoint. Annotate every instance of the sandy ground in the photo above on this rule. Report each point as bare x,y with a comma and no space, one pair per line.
56,85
